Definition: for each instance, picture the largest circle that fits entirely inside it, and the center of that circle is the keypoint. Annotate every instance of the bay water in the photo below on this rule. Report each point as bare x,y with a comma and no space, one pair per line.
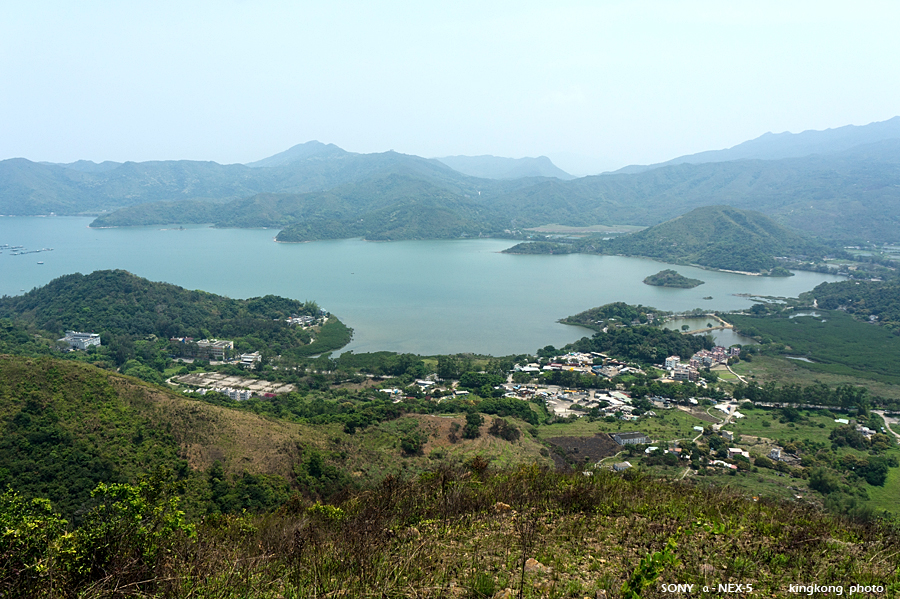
424,297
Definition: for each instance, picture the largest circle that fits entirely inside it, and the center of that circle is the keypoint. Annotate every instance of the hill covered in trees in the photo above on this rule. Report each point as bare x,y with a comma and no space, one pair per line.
874,301
713,236
671,278
134,316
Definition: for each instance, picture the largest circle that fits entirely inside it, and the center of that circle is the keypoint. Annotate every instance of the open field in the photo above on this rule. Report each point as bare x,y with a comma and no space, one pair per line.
766,424
587,230
888,496
668,425
764,369
763,483
834,341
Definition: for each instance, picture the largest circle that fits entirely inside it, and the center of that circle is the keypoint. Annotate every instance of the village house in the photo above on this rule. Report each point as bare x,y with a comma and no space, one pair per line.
734,452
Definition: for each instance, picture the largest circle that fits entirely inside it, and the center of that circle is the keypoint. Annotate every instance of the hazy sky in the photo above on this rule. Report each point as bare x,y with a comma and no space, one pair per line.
595,85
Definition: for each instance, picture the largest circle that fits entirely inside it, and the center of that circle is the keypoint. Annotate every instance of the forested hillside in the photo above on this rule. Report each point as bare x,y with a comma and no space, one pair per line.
67,427
877,301
134,315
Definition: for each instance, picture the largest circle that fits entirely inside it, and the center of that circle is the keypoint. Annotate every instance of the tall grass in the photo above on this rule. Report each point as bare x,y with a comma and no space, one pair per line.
474,531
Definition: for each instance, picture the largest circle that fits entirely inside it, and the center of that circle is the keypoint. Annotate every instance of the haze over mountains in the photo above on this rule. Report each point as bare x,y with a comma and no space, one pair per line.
841,184
495,167
774,146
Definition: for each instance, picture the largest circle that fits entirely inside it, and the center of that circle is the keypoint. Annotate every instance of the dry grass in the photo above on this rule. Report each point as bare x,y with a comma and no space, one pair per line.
241,441
475,533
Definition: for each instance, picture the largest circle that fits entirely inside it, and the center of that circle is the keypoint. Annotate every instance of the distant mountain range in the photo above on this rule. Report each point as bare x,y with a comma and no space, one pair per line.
843,192
774,146
495,167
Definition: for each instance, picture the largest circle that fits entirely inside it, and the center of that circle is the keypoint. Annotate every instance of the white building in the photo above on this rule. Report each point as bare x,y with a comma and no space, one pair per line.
672,362
214,348
250,360
236,394
81,340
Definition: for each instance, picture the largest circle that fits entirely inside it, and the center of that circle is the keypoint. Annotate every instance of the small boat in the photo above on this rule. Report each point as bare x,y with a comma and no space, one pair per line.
40,262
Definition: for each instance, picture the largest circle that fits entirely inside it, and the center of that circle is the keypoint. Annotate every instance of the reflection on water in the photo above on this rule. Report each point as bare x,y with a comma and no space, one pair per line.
723,337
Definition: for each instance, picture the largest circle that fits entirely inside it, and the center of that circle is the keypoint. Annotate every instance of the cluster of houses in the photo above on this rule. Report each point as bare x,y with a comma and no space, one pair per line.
573,402
584,363
734,453
303,321
704,358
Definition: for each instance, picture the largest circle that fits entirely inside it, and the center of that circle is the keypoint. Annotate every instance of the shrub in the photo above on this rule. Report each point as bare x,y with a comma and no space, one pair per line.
503,429
128,533
474,420
27,530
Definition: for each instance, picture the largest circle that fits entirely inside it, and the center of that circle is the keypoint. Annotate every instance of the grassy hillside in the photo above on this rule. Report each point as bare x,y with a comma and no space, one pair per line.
466,532
69,426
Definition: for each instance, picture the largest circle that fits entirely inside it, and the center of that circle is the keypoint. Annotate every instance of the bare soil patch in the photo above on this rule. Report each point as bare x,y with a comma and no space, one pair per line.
583,450
700,414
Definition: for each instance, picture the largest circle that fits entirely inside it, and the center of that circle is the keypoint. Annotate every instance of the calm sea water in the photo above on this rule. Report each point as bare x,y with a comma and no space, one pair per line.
424,297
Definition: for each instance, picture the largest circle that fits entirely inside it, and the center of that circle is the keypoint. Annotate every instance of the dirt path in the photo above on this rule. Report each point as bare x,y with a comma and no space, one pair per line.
740,378
888,421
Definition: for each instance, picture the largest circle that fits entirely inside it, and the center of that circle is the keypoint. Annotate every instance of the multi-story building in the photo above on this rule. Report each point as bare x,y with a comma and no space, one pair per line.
78,340
250,360
214,349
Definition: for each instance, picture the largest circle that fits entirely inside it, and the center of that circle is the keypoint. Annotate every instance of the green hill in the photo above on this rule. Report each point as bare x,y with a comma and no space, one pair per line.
718,237
135,316
714,236
69,426
848,195
392,206
671,278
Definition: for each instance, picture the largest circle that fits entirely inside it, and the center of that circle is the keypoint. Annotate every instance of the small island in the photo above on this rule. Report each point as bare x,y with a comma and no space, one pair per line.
670,278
